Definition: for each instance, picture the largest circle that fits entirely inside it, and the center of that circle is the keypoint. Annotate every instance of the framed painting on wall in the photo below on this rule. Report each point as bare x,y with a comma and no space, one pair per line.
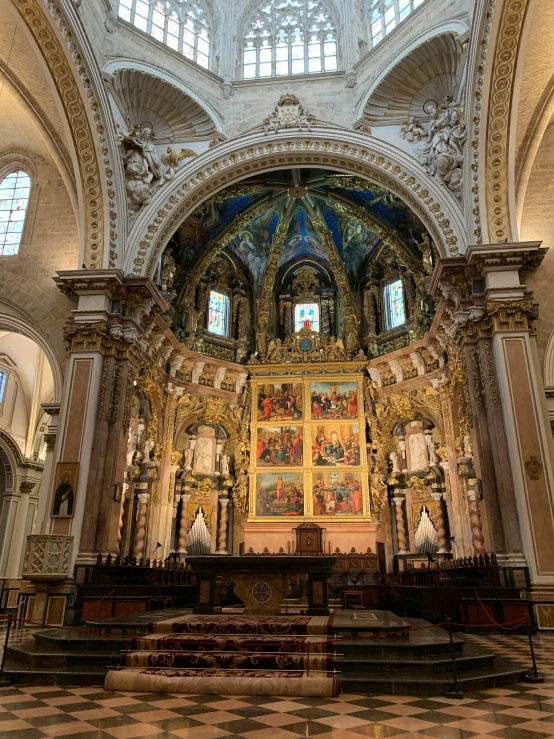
280,494
279,446
281,401
333,400
337,493
65,491
336,445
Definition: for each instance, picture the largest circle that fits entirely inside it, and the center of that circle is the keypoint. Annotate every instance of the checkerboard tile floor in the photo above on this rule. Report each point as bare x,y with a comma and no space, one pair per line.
516,712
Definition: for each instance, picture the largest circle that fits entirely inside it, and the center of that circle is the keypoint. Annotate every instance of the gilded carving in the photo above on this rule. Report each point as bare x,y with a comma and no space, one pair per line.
418,485
512,315
113,410
103,386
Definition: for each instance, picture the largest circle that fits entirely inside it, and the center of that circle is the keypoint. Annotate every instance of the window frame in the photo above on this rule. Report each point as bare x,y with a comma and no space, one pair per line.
379,26
388,304
18,163
318,321
131,5
226,316
274,44
4,374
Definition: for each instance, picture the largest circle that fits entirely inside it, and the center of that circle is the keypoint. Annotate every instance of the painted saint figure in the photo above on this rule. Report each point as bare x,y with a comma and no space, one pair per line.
64,498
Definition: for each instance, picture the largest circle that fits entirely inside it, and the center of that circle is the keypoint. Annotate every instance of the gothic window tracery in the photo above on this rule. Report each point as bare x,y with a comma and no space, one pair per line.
287,37
14,199
385,15
180,24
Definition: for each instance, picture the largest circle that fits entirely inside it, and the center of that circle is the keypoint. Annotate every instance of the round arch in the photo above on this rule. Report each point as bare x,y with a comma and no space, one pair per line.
255,153
11,321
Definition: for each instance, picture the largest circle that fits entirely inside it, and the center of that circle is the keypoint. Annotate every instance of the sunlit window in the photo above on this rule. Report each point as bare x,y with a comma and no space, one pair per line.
218,314
385,15
3,378
180,24
395,312
288,37
306,315
14,198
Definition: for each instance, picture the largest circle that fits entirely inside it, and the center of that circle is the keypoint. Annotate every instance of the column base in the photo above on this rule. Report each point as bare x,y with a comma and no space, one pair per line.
512,559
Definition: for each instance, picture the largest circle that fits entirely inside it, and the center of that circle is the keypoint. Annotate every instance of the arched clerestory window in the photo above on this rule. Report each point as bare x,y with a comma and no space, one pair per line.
180,24
15,189
286,37
385,15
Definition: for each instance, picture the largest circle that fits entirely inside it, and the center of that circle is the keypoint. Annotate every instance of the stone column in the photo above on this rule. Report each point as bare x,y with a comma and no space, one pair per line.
400,525
439,521
224,502
475,517
142,520
104,350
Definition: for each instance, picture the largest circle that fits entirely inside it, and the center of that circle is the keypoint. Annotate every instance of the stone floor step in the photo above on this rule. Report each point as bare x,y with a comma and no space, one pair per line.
417,667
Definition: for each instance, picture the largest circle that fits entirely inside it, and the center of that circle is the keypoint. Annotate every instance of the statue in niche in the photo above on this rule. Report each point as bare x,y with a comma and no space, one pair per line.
395,462
225,468
442,153
188,458
167,271
426,250
433,459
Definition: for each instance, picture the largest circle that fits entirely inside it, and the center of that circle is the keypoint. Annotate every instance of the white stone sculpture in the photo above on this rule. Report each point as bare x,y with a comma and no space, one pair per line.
288,113
225,465
443,150
412,130
144,169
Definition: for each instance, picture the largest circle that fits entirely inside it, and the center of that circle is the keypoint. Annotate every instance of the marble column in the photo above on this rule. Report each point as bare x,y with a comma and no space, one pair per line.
475,517
43,510
400,525
439,522
183,524
223,514
142,519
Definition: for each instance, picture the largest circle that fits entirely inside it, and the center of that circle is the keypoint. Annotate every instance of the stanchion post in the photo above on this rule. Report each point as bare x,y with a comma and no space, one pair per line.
454,691
6,640
533,675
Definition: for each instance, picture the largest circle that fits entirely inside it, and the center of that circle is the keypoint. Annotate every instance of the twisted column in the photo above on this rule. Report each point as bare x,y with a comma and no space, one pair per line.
140,532
439,522
183,524
223,526
475,518
400,527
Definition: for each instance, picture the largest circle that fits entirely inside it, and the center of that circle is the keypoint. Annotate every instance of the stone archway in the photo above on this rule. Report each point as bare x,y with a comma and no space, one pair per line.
332,148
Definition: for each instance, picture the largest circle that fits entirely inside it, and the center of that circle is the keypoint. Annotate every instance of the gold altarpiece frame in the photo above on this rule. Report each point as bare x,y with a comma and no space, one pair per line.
325,409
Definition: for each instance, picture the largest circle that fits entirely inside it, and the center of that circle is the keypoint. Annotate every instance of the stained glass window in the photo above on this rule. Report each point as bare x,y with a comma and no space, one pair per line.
218,312
180,24
394,305
288,37
3,377
306,315
14,197
385,15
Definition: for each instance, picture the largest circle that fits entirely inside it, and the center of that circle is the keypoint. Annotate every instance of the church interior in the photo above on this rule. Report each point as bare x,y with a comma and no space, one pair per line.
277,368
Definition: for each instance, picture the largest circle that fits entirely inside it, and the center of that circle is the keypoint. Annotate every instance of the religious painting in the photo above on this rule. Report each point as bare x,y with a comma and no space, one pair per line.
281,401
280,494
336,445
337,493
333,400
279,446
63,505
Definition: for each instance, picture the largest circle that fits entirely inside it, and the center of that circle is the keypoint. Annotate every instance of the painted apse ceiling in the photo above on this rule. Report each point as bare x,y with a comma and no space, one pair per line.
362,218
